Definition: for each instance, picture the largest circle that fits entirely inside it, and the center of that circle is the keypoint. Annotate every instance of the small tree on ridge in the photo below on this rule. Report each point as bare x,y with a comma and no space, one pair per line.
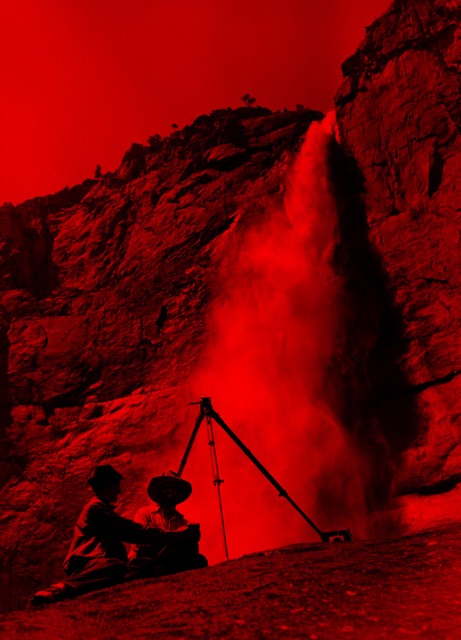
248,100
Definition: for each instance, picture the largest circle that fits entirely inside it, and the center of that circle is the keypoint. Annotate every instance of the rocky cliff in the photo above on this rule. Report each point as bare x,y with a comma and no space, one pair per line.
105,288
104,293
399,115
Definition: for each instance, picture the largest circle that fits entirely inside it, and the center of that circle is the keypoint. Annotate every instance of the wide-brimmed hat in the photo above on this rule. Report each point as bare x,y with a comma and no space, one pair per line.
104,474
168,480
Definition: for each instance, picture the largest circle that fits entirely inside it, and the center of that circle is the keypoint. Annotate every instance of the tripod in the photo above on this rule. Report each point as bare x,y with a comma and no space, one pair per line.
207,413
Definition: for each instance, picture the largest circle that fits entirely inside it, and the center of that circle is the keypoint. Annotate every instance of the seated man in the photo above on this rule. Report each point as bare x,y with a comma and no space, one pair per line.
97,556
178,550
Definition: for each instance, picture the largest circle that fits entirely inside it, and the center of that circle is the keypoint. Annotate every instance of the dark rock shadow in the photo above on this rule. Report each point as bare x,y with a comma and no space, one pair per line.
373,401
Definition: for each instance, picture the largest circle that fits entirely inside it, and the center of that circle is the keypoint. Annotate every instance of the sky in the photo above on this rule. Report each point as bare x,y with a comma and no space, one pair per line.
82,80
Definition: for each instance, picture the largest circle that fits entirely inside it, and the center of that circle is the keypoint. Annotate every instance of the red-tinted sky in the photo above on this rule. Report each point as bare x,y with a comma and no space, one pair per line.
83,79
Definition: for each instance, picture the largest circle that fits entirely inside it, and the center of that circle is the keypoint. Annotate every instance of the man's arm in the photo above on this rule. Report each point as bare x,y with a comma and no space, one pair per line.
107,523
141,517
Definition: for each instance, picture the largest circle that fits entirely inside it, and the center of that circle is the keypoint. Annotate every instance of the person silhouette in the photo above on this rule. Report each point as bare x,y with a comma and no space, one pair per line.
178,550
97,556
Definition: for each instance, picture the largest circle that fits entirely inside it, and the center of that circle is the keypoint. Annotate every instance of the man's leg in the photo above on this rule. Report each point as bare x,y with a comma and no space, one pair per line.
97,574
168,564
187,562
182,556
143,568
197,561
163,566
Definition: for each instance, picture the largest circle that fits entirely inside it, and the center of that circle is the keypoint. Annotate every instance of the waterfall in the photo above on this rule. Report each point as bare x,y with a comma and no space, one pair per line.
273,334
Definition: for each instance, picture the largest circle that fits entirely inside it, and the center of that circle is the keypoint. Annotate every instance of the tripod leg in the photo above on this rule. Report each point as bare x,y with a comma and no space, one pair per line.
282,492
190,444
217,480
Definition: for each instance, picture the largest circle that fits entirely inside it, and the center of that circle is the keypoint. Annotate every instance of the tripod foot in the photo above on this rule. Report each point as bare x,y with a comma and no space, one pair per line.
342,535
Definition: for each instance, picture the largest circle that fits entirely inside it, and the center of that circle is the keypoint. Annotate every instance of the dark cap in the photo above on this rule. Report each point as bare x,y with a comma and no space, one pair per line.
169,480
104,474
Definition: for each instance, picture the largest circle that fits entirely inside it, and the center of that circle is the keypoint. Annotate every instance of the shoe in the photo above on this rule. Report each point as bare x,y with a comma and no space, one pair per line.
53,594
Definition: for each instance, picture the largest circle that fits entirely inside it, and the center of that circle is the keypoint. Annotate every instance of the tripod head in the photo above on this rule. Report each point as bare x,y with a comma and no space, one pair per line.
205,405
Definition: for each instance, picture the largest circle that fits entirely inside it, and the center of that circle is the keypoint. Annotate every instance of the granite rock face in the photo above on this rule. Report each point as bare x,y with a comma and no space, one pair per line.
399,117
103,292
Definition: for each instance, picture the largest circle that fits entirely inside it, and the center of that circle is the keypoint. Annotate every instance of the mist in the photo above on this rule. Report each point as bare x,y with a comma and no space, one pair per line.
273,330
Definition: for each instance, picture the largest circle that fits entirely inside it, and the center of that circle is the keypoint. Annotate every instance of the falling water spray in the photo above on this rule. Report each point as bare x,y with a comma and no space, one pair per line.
273,333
